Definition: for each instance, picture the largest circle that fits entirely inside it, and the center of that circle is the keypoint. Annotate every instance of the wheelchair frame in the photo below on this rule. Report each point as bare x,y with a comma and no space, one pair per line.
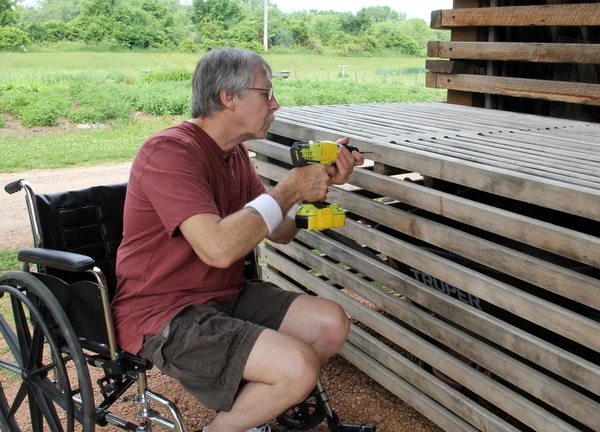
120,369
55,315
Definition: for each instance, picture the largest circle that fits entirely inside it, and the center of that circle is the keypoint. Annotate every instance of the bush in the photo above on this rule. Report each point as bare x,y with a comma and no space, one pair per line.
12,37
168,75
188,46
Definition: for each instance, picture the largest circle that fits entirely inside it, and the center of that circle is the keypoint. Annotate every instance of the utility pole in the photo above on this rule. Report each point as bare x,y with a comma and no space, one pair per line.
266,26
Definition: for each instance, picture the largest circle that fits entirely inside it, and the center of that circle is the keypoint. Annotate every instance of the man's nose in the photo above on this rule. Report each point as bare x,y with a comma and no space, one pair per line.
274,104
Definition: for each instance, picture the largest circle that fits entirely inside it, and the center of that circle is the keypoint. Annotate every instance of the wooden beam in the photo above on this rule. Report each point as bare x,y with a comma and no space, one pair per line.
412,395
560,196
515,51
507,400
544,313
579,93
468,316
587,14
450,67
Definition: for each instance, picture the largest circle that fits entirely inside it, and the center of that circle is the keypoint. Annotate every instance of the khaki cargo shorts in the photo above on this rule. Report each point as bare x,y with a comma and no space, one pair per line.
205,347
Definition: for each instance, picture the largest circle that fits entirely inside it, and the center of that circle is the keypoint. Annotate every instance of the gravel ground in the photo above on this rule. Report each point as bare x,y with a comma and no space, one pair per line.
355,397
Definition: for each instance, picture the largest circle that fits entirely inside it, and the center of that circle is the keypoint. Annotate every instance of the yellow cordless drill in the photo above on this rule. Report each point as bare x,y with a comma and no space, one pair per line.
318,216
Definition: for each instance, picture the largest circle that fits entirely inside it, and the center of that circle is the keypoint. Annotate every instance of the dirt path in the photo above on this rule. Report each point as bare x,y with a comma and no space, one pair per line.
355,397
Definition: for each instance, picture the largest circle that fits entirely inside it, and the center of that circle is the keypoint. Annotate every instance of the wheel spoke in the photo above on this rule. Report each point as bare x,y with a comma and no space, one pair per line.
36,349
18,400
22,326
48,410
11,366
11,338
35,412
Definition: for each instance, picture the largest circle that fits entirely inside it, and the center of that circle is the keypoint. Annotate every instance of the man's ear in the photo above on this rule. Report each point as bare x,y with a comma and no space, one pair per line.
229,100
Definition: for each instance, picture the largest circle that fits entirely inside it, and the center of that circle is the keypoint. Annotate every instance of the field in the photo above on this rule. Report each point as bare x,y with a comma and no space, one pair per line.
121,98
301,66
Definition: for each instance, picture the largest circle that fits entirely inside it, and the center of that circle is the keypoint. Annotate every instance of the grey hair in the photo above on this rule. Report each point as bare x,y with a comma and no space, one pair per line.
229,69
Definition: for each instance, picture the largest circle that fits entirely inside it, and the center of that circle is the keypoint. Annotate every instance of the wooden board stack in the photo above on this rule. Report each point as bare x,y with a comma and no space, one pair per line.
475,292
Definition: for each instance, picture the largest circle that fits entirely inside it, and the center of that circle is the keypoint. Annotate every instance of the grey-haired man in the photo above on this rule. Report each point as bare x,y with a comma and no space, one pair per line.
195,207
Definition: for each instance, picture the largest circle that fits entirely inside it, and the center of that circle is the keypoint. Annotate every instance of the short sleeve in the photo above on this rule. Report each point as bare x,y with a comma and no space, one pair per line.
176,182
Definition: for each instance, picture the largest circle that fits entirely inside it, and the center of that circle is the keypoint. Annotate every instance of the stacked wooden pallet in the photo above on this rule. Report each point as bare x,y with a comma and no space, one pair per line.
540,59
475,295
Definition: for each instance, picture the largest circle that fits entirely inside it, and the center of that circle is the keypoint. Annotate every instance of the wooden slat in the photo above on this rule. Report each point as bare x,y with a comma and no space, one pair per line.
450,67
516,51
581,93
580,371
514,404
458,403
576,200
398,386
532,308
562,241
587,14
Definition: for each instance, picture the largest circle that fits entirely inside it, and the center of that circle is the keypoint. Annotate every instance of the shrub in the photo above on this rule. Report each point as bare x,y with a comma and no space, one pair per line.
12,37
188,46
168,75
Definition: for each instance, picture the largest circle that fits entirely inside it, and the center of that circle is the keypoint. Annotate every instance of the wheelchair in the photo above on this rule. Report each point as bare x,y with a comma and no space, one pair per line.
56,326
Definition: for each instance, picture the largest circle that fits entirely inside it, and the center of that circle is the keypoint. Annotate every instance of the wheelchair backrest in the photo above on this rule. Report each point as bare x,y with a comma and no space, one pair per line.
88,222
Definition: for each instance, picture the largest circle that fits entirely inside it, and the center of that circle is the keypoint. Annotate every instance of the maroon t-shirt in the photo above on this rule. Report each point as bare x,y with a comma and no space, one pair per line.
178,172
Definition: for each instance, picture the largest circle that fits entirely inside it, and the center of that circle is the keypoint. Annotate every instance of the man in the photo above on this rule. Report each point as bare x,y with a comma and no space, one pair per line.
195,207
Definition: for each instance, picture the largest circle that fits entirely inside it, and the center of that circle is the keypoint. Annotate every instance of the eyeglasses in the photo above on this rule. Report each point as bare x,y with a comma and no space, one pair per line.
268,90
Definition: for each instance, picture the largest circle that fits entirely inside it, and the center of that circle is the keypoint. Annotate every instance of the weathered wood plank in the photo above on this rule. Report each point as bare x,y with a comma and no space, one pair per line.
468,316
450,67
412,394
430,385
516,405
516,51
573,199
438,147
581,93
539,272
544,313
562,241
516,16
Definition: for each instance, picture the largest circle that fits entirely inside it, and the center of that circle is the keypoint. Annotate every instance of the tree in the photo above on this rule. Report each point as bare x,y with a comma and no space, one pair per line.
225,12
8,15
384,13
356,24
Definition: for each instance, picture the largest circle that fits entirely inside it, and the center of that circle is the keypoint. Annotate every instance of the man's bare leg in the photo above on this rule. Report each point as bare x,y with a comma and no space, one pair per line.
281,371
321,323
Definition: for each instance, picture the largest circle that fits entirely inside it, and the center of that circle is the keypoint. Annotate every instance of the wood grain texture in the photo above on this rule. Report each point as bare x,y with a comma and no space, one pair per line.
587,14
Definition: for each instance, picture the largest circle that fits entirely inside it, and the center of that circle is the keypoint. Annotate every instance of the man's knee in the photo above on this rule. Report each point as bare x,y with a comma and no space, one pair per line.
336,325
302,371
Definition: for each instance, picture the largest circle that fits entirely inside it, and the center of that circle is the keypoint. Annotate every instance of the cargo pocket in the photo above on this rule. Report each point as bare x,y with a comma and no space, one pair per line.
202,347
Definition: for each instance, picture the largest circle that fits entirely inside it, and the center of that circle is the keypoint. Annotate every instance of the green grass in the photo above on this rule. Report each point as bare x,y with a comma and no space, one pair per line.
44,88
80,147
301,66
8,260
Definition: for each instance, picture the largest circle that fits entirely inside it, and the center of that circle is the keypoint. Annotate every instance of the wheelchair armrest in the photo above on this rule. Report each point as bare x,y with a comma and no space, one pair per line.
56,259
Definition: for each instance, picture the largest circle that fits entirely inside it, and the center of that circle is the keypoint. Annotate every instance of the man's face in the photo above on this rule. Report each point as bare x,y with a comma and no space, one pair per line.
257,112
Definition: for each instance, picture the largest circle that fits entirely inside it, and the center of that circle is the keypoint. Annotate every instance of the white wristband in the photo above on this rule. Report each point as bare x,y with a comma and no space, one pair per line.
292,213
269,209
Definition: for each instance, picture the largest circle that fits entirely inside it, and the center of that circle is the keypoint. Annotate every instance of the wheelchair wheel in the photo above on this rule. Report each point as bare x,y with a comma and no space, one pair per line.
44,379
306,415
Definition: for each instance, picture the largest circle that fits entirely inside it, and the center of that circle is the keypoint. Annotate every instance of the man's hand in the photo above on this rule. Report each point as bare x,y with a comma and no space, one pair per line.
309,183
345,163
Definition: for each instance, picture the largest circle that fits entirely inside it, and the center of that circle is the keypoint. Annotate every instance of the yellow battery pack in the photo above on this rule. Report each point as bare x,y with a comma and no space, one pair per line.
311,217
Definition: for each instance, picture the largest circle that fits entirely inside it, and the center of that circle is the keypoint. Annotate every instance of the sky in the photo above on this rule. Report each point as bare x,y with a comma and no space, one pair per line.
413,8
